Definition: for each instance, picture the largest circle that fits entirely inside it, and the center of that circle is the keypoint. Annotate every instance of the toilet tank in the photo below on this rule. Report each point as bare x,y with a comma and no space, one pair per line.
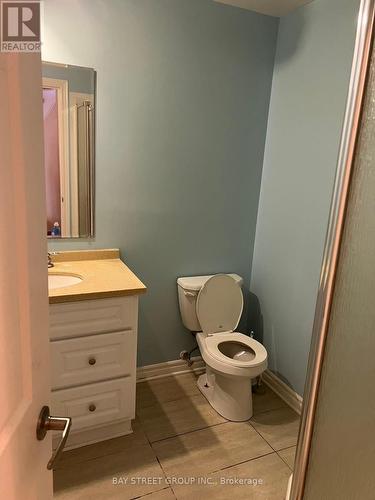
188,289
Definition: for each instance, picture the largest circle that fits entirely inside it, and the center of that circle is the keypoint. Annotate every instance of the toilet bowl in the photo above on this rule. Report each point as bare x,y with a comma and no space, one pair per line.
232,358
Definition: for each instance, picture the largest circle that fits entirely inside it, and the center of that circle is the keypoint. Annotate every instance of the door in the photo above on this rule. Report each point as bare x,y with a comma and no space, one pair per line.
24,364
341,460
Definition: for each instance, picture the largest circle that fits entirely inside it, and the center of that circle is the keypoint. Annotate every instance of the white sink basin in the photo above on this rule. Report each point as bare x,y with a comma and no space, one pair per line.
62,280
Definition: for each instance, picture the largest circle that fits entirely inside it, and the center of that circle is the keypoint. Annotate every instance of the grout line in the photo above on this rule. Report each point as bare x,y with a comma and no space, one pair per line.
188,432
285,406
285,462
161,404
165,474
153,451
287,447
157,459
243,462
269,444
150,493
253,426
174,493
106,453
160,464
274,449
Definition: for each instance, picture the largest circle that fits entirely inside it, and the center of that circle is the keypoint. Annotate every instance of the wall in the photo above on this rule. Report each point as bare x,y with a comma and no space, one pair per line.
183,91
80,79
309,89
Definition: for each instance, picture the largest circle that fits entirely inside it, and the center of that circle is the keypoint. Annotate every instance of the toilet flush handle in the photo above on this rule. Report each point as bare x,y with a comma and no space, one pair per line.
190,294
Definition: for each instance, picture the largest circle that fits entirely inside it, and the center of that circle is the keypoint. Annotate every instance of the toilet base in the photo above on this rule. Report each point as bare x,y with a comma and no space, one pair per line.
230,396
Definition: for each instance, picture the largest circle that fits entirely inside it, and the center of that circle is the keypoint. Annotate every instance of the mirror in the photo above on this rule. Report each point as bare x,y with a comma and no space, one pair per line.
69,150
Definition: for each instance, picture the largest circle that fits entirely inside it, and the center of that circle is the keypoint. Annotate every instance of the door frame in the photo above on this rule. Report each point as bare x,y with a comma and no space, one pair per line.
76,99
61,87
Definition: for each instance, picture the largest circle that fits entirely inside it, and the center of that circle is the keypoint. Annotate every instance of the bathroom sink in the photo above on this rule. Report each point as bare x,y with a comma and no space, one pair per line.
62,280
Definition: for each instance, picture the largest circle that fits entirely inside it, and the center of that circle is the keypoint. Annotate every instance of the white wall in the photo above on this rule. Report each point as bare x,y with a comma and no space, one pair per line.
309,89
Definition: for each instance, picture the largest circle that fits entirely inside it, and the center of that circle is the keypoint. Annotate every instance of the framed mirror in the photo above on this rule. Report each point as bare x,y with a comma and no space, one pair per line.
69,149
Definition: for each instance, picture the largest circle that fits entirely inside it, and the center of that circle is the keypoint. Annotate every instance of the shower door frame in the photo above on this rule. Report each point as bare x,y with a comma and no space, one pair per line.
357,85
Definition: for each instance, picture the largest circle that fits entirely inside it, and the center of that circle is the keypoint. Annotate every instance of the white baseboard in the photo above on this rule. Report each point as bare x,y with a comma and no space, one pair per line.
169,368
287,394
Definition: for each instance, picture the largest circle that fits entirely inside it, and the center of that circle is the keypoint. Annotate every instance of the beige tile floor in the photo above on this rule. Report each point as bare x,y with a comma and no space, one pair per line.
182,449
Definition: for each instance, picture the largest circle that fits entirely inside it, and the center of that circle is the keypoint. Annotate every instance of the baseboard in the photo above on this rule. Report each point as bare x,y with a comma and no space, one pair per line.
169,368
287,394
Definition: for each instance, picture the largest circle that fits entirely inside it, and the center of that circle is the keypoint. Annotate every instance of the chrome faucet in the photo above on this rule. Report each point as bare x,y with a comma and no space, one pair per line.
50,263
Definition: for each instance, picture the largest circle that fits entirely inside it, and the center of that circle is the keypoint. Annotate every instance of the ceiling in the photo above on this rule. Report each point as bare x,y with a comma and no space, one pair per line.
270,7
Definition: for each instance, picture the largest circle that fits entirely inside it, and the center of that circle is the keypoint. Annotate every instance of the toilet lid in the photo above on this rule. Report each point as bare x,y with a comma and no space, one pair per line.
219,304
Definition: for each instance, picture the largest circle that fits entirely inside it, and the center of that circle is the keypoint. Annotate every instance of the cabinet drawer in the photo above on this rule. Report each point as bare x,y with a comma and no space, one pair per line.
75,319
92,359
96,404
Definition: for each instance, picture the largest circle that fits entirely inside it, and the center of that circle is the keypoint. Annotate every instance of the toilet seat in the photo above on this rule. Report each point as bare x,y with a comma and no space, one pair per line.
213,342
219,308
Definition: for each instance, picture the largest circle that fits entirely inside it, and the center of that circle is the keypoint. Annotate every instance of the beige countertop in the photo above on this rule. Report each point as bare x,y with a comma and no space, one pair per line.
103,275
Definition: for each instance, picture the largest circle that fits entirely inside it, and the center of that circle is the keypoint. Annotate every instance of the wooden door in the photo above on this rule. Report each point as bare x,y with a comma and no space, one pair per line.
24,363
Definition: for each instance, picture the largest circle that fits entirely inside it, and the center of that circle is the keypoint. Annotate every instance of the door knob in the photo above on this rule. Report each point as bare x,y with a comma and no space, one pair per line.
46,422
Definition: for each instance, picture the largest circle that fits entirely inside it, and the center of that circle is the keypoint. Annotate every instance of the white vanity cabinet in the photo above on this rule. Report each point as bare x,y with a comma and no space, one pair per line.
93,363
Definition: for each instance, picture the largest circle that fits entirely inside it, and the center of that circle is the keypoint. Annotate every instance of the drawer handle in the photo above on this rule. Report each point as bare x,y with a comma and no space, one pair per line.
92,407
92,361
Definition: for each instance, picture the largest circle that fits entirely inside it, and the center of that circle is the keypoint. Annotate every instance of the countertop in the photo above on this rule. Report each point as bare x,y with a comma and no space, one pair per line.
103,275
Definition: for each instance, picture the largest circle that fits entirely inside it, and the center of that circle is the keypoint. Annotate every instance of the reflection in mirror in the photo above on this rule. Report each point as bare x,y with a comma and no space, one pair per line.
69,153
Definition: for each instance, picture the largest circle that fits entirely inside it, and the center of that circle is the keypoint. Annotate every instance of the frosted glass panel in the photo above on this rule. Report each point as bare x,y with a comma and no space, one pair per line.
343,447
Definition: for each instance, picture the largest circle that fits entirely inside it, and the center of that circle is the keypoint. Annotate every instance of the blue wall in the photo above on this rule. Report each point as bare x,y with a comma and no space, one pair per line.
183,91
310,83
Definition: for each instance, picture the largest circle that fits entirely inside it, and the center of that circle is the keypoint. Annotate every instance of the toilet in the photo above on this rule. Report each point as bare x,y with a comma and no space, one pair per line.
211,306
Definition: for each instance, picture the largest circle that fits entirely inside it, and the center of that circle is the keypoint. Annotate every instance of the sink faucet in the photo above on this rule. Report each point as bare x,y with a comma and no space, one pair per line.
50,263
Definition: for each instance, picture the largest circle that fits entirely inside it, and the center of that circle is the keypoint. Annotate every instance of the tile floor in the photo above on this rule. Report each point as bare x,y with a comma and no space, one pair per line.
182,449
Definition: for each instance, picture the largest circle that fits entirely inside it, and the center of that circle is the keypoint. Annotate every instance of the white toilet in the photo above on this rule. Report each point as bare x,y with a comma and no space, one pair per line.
212,306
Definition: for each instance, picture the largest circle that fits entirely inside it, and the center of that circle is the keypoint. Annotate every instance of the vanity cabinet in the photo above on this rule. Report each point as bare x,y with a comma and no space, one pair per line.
93,362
